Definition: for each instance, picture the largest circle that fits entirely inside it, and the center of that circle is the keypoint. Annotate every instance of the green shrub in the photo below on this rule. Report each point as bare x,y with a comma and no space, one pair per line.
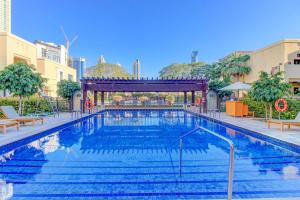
33,104
259,108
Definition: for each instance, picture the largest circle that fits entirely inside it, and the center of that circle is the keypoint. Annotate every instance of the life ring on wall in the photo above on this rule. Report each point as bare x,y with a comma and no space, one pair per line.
278,107
198,102
88,105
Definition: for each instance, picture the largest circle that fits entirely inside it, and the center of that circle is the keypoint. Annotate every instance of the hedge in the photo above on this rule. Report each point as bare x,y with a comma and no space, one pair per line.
259,108
33,104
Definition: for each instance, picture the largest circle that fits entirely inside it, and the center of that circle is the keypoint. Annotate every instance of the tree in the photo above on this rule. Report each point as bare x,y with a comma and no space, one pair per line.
216,84
66,88
268,89
108,70
179,70
170,99
201,71
236,66
21,80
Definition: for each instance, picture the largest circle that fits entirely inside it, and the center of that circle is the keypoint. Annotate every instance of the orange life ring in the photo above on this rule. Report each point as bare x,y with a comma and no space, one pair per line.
198,103
285,105
88,105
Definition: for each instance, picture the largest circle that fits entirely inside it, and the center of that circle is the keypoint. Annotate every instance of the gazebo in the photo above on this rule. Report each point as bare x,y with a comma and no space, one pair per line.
185,85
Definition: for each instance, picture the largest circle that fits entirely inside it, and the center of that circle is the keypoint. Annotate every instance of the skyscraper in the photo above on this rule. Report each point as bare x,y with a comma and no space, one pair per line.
5,16
101,59
136,69
194,57
80,65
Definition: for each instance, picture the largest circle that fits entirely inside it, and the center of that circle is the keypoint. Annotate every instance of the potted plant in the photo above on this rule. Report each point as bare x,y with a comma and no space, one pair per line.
170,99
118,99
143,99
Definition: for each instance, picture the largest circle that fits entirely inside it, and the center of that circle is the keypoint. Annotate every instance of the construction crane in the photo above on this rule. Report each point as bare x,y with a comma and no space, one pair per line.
68,43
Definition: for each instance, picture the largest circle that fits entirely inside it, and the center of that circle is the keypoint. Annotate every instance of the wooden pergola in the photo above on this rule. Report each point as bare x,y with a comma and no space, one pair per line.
185,85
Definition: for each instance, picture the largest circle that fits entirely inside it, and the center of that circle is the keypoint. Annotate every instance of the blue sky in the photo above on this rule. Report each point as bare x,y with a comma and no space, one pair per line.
158,32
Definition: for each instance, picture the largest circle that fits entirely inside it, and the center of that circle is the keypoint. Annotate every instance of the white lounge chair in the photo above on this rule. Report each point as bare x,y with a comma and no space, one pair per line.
282,123
10,113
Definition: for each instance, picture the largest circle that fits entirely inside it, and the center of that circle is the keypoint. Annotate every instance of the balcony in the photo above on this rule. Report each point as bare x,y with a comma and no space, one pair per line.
292,73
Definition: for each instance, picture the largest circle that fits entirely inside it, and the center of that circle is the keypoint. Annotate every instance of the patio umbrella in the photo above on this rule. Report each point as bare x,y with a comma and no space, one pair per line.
237,86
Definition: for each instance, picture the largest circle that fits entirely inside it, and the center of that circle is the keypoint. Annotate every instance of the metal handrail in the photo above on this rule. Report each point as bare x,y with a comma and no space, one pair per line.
231,157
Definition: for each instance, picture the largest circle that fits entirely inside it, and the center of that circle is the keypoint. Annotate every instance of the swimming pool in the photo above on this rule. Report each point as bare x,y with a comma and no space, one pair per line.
135,155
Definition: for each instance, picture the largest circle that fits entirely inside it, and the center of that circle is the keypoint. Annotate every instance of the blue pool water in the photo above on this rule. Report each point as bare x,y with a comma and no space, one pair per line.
135,155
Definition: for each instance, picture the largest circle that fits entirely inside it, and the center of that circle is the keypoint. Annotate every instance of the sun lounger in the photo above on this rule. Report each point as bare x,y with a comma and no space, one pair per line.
10,113
4,124
282,123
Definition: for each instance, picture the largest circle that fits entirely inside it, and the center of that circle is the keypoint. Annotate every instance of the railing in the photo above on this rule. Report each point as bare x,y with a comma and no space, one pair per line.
231,156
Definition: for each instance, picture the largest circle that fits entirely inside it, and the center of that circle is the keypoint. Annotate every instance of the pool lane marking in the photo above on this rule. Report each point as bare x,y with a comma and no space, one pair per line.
141,182
3,165
140,173
204,160
270,192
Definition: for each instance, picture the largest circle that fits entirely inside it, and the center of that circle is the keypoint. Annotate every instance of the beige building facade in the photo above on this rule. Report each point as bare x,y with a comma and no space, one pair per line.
54,72
14,49
283,56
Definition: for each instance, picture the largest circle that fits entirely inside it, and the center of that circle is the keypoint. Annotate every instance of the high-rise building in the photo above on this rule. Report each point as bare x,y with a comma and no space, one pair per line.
5,16
136,69
194,57
101,59
80,65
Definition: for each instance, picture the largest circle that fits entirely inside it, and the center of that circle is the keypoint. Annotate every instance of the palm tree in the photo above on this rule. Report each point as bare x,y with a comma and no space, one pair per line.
236,66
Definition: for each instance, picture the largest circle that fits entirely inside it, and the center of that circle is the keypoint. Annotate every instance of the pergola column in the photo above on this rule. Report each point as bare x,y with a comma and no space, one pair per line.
102,98
95,98
84,96
185,98
204,100
193,98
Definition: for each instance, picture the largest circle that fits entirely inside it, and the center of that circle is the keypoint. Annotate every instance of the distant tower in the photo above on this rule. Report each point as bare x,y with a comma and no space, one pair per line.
194,57
101,59
80,65
5,16
136,69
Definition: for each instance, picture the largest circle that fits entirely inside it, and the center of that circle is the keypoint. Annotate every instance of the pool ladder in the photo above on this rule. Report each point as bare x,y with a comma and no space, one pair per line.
231,156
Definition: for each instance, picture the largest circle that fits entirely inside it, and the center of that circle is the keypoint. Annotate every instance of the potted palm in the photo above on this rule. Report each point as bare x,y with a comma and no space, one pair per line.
170,99
118,99
143,99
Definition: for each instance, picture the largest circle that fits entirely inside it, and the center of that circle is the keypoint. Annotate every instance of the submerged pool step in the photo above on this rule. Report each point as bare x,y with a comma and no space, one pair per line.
208,190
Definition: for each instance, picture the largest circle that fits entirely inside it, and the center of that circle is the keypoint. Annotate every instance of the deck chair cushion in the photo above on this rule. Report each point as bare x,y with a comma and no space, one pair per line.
9,112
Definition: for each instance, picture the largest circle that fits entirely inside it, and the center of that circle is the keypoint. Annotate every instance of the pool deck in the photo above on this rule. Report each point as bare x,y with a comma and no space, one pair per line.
291,135
27,130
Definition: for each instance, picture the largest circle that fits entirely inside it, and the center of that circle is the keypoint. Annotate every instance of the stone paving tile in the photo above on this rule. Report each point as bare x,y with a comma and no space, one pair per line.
29,130
291,135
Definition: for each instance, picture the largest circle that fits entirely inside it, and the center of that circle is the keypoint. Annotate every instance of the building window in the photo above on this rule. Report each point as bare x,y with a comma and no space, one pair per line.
44,53
70,77
298,55
297,62
61,76
296,90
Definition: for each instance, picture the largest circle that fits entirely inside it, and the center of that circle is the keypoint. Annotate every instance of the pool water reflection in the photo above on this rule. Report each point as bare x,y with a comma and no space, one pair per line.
135,155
